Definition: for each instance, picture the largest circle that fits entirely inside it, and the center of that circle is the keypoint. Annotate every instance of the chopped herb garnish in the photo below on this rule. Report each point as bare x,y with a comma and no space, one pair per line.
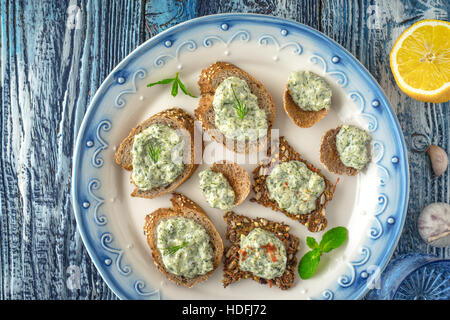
173,249
154,153
332,239
241,108
176,83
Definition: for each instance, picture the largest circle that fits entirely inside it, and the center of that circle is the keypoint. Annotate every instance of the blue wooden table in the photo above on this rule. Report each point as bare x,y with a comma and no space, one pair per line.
56,53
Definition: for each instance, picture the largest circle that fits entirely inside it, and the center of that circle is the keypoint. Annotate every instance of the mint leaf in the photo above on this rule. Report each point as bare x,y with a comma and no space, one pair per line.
308,264
312,243
333,238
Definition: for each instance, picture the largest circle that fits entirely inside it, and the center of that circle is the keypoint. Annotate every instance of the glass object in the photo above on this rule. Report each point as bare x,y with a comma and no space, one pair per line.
414,277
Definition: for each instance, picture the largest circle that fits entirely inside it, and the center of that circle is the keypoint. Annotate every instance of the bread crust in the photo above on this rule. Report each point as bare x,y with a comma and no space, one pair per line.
182,207
209,80
238,225
329,156
315,221
302,118
176,118
237,177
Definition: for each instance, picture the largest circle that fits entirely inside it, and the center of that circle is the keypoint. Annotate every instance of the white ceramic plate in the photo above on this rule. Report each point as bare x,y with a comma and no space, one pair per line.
371,205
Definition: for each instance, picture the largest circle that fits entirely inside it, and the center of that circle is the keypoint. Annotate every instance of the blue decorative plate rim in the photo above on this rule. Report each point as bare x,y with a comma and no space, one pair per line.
400,160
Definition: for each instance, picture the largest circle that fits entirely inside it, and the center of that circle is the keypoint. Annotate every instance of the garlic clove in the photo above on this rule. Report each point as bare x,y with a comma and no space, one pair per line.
434,224
438,158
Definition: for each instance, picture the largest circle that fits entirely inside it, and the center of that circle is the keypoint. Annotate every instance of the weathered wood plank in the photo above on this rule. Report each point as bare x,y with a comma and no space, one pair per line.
160,15
369,32
54,55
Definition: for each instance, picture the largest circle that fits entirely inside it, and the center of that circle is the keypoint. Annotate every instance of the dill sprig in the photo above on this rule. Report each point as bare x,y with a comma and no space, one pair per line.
173,249
241,108
176,83
154,153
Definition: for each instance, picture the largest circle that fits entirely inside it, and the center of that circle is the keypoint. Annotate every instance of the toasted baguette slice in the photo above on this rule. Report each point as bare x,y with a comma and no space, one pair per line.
315,221
209,80
302,118
176,118
182,207
329,155
238,225
237,177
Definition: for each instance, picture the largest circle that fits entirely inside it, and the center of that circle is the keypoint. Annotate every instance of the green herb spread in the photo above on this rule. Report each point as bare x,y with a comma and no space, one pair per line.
231,98
157,157
193,254
262,254
309,91
216,189
294,187
351,143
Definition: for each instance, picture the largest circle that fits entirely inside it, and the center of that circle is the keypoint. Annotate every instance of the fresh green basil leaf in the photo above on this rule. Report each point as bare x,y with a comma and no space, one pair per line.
311,242
333,238
308,264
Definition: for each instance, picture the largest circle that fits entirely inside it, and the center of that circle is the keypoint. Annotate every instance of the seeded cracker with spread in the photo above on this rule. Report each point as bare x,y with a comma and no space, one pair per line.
239,232
315,219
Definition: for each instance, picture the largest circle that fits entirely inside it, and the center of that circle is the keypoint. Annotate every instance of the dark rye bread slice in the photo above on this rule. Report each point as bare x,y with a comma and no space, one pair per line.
329,156
209,80
302,118
237,177
182,207
176,118
238,225
315,221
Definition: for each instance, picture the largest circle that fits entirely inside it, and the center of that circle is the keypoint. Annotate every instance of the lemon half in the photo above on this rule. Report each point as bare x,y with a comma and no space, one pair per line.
420,61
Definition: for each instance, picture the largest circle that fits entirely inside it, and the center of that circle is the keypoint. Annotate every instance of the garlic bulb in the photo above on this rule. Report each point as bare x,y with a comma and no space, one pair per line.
438,158
434,224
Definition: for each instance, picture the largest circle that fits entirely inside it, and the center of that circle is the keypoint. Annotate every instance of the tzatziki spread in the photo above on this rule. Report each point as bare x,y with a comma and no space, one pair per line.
309,91
262,254
157,156
294,187
185,247
216,189
252,125
351,144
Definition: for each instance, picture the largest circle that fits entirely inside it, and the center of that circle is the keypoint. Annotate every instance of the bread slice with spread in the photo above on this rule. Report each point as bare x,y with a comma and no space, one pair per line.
261,250
307,98
235,108
225,185
343,150
148,152
287,183
185,245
